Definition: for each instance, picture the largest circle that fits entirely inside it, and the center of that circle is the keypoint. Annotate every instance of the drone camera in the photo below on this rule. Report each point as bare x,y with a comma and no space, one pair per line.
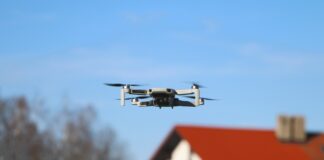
201,101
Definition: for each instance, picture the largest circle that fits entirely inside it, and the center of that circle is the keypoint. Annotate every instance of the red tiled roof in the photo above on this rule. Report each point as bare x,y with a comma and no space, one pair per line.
243,144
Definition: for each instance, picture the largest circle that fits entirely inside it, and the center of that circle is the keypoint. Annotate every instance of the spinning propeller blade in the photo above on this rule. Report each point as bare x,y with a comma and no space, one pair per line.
193,83
121,84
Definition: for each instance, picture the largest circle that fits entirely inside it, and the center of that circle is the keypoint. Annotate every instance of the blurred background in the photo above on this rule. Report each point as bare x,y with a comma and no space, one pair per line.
260,58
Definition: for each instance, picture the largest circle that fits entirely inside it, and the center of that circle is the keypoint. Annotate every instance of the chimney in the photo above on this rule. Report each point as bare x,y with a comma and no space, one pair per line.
299,133
291,129
283,129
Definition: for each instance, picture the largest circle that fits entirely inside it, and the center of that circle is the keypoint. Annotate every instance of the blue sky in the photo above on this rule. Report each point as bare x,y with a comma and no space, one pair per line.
260,58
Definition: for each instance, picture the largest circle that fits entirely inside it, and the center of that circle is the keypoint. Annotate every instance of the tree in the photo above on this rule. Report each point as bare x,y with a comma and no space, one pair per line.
22,139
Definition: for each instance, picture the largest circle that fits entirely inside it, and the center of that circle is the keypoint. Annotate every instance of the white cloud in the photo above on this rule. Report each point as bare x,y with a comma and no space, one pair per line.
122,64
278,61
291,61
84,63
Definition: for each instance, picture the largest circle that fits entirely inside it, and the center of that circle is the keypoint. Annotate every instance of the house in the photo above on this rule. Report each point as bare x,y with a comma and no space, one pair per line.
288,141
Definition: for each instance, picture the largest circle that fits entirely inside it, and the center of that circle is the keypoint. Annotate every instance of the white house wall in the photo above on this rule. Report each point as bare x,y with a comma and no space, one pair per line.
195,156
183,152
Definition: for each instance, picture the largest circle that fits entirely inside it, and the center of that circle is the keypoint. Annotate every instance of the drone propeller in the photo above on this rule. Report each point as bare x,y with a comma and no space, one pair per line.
121,84
139,97
209,99
196,84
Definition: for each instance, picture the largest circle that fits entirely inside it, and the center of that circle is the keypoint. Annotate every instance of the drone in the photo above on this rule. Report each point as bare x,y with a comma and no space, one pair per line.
160,97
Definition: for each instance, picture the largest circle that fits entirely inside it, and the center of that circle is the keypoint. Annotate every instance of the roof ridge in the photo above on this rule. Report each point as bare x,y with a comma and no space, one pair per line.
236,128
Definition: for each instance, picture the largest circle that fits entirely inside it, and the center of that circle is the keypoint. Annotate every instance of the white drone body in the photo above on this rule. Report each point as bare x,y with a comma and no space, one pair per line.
160,97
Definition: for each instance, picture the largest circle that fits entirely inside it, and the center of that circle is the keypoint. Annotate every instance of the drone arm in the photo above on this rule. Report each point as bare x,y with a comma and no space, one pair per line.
138,91
184,91
194,91
197,97
122,97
